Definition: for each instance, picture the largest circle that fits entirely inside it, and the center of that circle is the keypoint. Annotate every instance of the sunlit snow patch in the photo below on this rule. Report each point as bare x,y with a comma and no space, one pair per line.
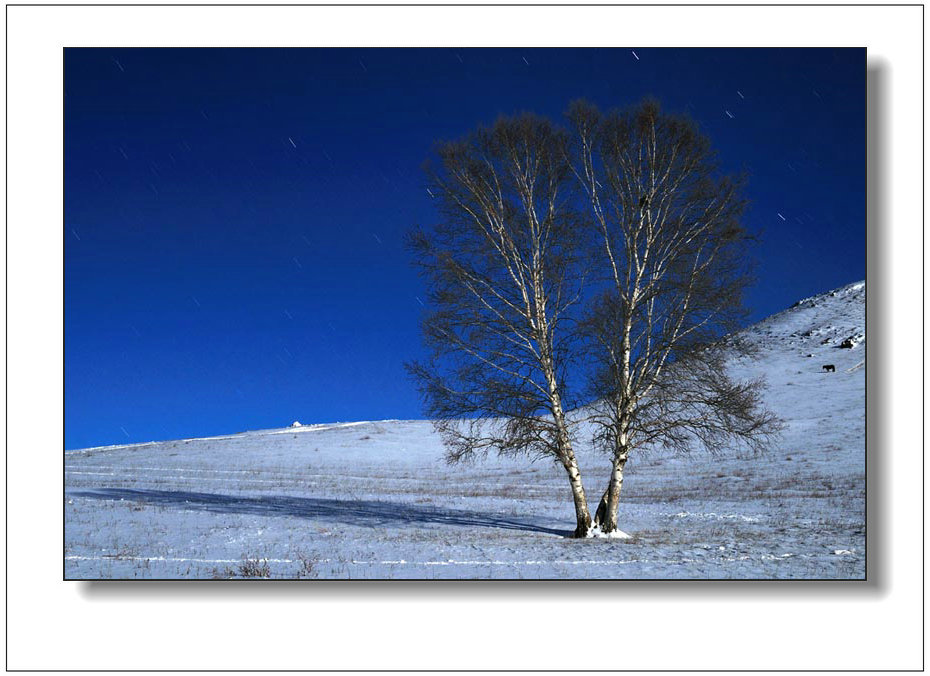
714,515
596,532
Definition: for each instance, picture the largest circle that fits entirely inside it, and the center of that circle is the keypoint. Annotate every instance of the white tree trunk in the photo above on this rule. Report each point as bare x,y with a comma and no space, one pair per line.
608,510
582,515
565,451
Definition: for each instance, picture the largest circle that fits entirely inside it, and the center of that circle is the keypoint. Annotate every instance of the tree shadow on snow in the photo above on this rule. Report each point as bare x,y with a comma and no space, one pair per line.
351,512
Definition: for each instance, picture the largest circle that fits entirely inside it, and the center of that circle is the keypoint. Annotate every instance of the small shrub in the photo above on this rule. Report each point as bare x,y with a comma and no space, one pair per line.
254,567
307,567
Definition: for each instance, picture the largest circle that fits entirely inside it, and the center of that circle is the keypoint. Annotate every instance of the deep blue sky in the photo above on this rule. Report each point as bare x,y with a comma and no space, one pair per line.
234,218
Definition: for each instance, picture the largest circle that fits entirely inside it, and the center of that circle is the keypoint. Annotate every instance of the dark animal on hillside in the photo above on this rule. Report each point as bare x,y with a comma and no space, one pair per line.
829,367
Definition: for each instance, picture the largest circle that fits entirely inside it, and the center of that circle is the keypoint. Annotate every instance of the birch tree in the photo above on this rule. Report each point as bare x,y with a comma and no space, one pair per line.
673,255
503,278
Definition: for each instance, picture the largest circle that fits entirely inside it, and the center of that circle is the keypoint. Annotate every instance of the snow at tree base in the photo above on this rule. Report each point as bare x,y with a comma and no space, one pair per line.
376,499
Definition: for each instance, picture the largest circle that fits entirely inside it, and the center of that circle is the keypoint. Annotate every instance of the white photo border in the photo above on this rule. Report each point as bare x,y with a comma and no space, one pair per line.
57,625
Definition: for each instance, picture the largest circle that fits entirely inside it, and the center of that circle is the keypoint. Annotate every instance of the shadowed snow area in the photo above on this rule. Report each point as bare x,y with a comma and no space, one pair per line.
376,500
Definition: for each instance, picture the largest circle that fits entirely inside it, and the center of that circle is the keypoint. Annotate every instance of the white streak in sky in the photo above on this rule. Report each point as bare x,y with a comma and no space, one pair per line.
634,54
292,141
729,114
740,94
781,217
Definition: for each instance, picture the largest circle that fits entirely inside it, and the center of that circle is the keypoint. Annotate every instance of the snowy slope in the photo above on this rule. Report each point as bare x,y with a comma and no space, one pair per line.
376,500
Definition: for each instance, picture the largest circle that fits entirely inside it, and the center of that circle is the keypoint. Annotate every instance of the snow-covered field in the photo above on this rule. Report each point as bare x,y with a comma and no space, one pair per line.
376,500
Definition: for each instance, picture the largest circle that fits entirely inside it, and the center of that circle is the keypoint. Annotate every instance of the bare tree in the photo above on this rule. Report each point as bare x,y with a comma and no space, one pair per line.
673,251
503,277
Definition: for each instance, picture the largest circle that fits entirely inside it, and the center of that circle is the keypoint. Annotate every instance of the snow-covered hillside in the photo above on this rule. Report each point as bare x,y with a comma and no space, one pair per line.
376,500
